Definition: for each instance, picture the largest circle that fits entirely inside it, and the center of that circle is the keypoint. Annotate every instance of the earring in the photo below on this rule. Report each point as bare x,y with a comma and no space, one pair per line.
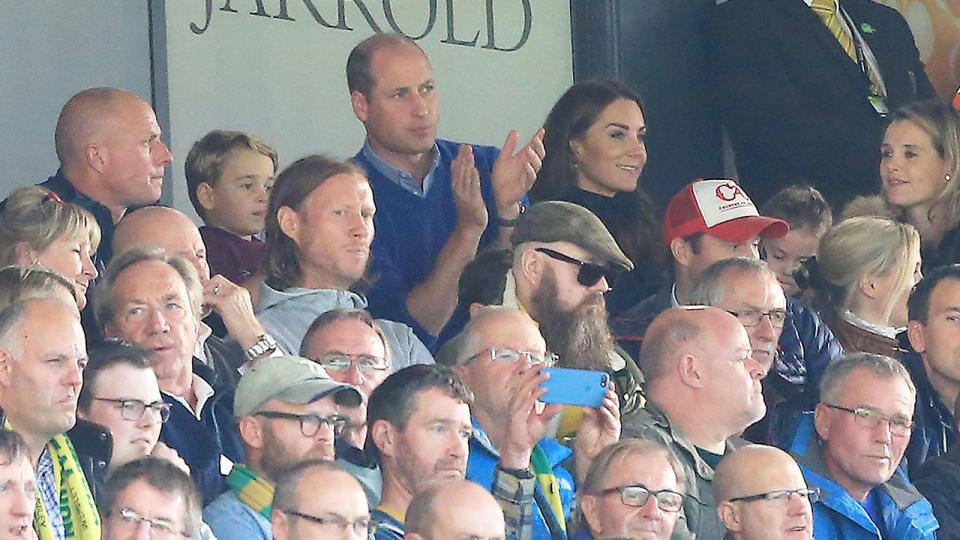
946,177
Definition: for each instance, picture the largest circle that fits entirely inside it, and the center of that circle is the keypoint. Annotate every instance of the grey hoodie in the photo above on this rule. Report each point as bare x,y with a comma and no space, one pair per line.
287,315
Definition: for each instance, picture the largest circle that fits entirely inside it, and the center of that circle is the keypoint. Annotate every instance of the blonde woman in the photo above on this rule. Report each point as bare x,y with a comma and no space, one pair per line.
867,266
38,229
920,172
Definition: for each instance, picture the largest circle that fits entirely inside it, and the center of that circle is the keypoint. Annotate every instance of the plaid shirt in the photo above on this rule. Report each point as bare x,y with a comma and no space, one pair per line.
513,491
49,493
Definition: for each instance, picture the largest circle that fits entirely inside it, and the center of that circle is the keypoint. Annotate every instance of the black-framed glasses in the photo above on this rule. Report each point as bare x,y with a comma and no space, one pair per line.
752,317
366,363
335,523
509,355
812,494
310,423
589,274
159,528
133,409
869,418
638,495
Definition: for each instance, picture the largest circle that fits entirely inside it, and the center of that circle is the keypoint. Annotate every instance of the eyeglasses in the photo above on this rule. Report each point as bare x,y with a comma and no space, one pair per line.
133,409
159,528
310,423
752,317
870,419
590,273
335,523
366,363
509,355
637,495
783,495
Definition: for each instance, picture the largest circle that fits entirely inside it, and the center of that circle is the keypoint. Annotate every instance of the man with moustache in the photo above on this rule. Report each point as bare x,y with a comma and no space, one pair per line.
42,356
437,200
288,411
318,232
703,390
153,299
852,447
761,495
419,427
563,260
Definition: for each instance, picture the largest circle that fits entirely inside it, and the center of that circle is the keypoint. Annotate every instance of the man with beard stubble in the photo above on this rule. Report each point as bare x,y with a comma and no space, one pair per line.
562,262
288,411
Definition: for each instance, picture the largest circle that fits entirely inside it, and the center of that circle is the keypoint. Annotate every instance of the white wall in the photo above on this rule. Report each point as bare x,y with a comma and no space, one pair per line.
284,79
50,51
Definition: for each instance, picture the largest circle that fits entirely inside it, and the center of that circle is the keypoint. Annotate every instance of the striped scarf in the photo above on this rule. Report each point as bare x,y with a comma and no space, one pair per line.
81,521
548,483
252,490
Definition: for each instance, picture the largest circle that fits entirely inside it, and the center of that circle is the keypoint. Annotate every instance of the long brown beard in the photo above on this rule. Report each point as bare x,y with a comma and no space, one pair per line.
581,338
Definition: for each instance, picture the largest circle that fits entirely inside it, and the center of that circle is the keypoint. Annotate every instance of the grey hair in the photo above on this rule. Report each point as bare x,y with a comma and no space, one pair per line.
884,367
11,319
104,295
710,286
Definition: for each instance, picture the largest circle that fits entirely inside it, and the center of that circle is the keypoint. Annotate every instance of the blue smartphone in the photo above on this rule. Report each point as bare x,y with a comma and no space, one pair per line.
575,387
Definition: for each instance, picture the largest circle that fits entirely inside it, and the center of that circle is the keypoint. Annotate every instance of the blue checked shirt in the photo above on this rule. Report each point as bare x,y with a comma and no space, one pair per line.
50,493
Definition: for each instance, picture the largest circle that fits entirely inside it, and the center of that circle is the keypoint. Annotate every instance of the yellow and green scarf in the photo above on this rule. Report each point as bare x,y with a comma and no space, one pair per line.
252,490
548,483
81,521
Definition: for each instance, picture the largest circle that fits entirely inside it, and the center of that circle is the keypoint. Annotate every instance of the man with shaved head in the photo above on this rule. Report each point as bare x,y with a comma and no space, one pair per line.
111,157
703,389
762,495
454,509
178,235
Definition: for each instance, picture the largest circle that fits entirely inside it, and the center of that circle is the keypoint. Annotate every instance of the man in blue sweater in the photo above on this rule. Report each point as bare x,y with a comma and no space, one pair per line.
437,201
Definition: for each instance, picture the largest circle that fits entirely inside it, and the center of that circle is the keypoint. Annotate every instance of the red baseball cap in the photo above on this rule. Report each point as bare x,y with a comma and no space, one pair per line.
718,207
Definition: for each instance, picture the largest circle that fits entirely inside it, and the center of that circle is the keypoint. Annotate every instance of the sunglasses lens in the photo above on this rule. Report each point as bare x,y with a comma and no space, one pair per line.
590,274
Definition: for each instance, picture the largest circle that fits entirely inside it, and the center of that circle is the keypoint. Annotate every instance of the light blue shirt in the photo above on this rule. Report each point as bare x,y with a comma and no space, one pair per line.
230,519
399,176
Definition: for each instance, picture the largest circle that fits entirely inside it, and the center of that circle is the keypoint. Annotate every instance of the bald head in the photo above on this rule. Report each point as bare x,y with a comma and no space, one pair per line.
466,510
680,331
757,470
166,228
502,327
754,469
86,119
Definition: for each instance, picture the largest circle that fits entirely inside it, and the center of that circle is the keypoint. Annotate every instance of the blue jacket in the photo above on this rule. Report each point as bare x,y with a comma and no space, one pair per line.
412,228
934,431
201,442
837,515
484,458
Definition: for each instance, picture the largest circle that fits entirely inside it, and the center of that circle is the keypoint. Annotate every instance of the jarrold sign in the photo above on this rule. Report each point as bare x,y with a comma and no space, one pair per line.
376,16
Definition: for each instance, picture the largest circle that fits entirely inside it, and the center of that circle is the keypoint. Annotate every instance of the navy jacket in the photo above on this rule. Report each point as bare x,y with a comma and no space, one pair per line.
201,442
934,430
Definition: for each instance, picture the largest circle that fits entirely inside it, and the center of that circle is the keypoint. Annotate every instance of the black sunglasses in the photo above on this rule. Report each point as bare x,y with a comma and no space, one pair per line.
589,274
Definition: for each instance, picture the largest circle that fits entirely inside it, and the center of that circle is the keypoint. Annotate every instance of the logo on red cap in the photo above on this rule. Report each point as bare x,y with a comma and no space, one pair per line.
729,191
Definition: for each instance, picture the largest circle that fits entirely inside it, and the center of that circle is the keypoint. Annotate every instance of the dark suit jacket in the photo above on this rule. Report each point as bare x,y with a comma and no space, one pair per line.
795,105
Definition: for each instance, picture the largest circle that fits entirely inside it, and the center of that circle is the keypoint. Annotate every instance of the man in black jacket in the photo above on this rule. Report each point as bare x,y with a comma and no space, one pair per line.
800,106
939,481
